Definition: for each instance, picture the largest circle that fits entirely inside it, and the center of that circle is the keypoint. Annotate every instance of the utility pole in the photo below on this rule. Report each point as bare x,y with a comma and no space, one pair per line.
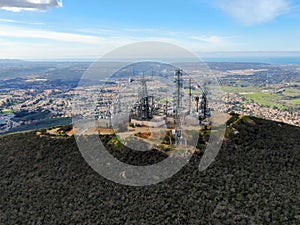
190,96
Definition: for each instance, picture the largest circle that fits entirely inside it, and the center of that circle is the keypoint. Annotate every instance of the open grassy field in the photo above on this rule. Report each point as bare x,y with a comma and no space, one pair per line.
266,99
7,111
289,99
294,102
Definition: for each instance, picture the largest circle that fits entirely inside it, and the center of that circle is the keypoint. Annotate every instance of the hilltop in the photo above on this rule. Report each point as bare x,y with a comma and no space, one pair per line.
254,180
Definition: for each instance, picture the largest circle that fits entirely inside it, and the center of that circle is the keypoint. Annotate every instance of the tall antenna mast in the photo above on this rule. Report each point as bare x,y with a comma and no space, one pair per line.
179,84
190,96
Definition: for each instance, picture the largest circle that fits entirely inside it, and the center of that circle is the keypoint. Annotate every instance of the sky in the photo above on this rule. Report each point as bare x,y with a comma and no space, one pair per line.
57,29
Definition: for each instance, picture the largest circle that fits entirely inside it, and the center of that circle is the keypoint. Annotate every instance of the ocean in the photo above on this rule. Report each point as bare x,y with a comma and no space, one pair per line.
267,60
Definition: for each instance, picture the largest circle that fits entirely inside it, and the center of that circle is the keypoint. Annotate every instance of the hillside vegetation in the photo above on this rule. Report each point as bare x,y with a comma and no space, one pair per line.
254,180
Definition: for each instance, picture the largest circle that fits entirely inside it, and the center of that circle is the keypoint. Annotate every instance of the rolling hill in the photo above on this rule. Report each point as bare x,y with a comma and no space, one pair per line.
254,180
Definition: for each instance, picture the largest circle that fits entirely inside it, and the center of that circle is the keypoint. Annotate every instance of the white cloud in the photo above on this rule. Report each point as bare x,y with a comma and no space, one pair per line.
30,5
254,11
209,39
18,32
26,43
213,43
20,42
20,22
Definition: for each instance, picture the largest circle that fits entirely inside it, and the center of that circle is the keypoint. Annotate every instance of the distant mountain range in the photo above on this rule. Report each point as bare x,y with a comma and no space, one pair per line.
70,71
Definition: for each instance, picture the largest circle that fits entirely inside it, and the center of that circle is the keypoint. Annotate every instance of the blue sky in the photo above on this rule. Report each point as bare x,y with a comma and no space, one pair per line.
41,29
